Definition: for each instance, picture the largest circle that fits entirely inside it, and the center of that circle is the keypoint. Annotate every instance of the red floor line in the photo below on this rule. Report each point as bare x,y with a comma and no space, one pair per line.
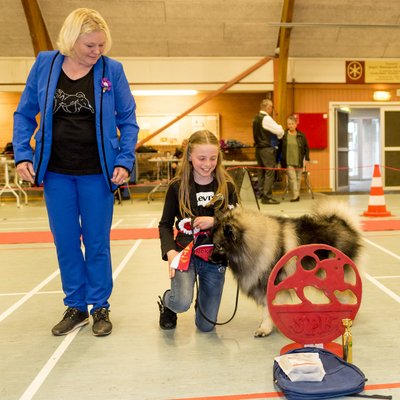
394,385
271,395
114,244
152,233
252,396
47,237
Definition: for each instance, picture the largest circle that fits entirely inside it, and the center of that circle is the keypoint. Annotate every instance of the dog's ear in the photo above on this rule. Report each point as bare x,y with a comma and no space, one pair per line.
218,215
229,232
218,222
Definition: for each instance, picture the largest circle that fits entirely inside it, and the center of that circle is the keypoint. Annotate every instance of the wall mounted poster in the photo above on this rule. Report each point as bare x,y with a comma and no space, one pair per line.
315,127
174,134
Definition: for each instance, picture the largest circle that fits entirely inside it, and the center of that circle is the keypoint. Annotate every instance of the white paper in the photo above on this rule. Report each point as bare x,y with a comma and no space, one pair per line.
175,261
306,367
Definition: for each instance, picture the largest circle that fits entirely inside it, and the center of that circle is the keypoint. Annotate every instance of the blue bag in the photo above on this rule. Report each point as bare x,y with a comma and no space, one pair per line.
341,379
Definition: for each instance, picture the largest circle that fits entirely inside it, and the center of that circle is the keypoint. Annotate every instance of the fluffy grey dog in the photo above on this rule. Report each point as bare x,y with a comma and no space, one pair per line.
254,242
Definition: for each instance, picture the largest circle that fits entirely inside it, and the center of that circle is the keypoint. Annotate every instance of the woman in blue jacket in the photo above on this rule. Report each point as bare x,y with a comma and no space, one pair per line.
83,99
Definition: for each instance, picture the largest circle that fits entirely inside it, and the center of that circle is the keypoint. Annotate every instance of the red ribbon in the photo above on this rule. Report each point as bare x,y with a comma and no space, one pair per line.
185,257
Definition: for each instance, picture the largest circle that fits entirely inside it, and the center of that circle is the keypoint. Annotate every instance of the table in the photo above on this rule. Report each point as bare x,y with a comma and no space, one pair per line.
233,163
11,186
306,175
243,180
160,161
163,160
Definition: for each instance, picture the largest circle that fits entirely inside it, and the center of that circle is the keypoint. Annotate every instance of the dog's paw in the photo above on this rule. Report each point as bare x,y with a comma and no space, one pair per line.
262,332
265,328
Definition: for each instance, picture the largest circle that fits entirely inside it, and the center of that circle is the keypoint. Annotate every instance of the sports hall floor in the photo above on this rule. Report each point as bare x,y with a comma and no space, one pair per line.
140,361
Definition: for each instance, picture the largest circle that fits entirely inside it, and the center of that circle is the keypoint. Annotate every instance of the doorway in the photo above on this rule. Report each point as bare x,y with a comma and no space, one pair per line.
359,139
364,147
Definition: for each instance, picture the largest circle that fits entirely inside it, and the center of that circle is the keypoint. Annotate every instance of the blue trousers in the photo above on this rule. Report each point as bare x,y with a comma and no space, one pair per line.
81,208
211,283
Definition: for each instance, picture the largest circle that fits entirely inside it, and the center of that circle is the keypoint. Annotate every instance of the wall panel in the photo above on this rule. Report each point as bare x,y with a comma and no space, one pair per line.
8,104
315,98
236,112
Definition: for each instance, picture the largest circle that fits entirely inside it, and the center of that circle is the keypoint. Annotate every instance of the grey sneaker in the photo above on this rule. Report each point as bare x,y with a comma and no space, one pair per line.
102,325
72,319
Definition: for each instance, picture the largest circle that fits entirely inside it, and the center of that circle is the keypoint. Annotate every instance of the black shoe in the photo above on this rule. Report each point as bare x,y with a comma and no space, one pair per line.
102,325
269,201
296,199
167,317
72,319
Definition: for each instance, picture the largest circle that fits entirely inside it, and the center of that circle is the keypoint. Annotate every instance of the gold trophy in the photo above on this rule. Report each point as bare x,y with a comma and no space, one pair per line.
347,340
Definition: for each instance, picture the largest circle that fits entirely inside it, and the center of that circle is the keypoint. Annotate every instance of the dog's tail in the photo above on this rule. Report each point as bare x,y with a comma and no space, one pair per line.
344,224
329,208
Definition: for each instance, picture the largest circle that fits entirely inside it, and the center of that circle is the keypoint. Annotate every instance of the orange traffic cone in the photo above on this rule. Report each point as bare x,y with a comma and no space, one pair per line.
376,204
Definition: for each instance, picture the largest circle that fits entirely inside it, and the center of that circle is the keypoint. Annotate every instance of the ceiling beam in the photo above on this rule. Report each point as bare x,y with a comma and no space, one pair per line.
329,25
37,28
282,61
222,89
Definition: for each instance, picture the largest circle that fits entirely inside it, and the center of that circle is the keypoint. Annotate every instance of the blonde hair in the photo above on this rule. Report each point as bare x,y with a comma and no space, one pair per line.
80,22
185,173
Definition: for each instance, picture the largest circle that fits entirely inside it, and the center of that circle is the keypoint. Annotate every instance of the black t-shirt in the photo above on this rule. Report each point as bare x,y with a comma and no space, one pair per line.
74,145
200,195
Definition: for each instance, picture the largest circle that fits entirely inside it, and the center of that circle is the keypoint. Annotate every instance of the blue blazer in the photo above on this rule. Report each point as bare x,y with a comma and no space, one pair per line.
115,110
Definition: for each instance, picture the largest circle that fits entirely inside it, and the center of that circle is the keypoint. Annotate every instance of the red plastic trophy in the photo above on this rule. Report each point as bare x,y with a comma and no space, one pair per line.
309,305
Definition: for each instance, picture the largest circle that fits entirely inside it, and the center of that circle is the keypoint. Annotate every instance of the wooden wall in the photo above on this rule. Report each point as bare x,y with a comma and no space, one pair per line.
315,98
8,104
237,111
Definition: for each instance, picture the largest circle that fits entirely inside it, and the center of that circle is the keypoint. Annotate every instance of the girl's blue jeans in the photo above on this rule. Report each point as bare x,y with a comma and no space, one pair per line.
211,278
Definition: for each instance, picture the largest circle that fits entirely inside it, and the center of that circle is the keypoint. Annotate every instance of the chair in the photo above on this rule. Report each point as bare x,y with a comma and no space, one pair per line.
11,183
132,179
305,174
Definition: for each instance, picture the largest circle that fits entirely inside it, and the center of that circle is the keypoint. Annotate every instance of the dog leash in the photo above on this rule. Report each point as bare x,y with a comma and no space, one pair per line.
214,202
371,396
197,305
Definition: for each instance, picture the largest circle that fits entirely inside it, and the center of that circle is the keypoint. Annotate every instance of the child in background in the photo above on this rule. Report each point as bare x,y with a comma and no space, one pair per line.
200,177
294,149
178,154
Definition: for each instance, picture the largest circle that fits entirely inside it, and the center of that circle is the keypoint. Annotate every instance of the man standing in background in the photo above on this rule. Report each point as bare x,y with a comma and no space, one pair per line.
266,133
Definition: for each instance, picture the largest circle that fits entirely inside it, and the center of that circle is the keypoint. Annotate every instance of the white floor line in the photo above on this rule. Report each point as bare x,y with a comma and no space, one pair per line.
20,302
382,287
45,371
28,220
374,280
42,375
21,221
123,263
24,293
116,223
382,248
141,216
25,229
387,277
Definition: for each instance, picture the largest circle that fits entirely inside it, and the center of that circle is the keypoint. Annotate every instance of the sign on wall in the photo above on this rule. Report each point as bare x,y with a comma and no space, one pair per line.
372,71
